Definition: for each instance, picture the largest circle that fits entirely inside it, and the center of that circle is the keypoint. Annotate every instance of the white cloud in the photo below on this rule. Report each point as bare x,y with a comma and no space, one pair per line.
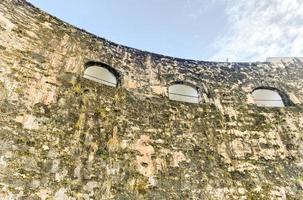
197,8
259,29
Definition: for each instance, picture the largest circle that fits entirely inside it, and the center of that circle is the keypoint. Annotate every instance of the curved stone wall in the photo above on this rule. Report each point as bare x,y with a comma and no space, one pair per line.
65,137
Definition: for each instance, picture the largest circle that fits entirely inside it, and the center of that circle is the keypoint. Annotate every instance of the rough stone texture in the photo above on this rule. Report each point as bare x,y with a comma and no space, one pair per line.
65,137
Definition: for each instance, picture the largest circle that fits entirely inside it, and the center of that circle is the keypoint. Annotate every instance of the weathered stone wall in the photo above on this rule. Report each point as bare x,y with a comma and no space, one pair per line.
65,137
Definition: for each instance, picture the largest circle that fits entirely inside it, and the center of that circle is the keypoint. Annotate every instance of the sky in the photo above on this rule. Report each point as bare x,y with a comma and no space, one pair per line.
216,30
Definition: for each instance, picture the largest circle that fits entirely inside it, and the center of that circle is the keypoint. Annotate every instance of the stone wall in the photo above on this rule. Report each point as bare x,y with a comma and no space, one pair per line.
66,137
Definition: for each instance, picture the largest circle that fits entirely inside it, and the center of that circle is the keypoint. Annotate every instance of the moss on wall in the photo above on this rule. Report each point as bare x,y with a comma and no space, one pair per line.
65,137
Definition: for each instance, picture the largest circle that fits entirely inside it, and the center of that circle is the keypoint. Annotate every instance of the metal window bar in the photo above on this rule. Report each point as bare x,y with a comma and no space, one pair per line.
184,98
267,100
184,95
111,83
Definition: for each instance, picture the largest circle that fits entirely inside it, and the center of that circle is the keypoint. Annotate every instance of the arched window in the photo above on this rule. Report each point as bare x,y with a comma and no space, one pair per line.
185,93
101,74
267,98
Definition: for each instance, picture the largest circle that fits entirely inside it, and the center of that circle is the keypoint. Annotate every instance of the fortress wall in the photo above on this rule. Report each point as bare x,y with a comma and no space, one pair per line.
66,137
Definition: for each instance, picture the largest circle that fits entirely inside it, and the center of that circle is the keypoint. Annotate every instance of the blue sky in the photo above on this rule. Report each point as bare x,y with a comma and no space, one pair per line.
240,30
